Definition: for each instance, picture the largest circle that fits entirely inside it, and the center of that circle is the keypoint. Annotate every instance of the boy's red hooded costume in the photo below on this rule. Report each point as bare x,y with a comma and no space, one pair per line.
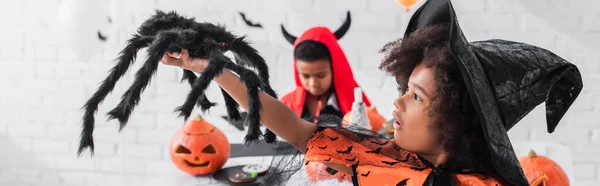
343,84
343,79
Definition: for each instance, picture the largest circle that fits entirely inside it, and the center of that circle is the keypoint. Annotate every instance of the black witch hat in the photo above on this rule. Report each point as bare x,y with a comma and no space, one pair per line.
506,80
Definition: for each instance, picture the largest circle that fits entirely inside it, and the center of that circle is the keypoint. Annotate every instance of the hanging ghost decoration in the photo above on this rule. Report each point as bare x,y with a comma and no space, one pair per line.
84,26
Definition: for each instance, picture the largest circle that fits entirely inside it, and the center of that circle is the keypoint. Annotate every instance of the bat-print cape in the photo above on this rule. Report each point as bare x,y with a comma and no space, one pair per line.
378,161
343,78
375,160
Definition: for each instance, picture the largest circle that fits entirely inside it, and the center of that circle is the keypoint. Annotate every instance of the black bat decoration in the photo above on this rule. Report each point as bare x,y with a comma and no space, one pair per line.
347,151
403,182
418,169
367,174
406,158
376,151
248,22
169,32
380,143
390,163
352,159
101,37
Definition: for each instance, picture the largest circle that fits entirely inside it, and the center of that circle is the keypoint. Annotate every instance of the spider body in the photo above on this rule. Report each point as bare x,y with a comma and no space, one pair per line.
170,32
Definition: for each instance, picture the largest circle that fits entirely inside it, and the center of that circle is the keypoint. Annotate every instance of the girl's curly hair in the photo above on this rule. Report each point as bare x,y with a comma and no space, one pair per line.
455,120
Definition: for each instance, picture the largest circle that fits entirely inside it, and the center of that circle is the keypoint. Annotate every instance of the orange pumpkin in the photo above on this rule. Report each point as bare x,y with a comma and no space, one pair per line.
542,171
377,121
199,148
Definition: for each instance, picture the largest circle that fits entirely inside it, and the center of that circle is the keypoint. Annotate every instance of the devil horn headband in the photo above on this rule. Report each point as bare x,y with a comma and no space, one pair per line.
339,33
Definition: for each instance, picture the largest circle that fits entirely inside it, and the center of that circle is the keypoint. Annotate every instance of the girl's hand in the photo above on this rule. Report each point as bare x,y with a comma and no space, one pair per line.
184,61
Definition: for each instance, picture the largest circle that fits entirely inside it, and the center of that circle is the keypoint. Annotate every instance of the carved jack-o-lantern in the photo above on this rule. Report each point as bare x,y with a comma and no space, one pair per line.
199,148
542,171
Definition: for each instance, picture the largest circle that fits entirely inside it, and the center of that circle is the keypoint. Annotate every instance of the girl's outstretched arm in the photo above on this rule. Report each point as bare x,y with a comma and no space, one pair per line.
276,116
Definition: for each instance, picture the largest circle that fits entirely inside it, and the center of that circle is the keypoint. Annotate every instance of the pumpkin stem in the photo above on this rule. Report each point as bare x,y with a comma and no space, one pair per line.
199,117
532,154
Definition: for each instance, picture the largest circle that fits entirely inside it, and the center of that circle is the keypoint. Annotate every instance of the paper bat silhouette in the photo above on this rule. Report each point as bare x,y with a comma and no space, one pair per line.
101,36
248,22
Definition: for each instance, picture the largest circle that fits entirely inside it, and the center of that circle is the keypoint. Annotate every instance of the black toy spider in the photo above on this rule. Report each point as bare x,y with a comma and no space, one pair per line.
170,32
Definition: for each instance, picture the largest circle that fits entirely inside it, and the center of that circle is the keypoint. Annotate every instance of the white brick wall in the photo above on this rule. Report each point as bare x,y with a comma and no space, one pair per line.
44,82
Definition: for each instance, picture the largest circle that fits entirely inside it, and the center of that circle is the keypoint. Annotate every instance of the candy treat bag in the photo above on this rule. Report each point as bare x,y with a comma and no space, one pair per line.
359,113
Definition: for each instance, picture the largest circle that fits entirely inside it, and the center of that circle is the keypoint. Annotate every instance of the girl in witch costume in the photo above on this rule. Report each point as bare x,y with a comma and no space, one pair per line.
458,100
323,77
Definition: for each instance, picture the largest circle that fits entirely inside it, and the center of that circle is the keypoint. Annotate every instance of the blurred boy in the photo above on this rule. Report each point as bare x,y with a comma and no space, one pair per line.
324,80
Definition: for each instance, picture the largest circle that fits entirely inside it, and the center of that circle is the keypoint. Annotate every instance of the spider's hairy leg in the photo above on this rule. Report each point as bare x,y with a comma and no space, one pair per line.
252,82
248,55
232,107
213,69
124,60
270,137
243,52
143,76
203,102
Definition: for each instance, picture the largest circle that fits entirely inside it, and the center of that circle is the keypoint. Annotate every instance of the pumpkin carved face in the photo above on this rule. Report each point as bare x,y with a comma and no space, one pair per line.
199,148
542,171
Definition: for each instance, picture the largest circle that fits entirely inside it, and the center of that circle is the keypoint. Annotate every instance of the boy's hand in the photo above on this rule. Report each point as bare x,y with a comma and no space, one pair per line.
184,61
